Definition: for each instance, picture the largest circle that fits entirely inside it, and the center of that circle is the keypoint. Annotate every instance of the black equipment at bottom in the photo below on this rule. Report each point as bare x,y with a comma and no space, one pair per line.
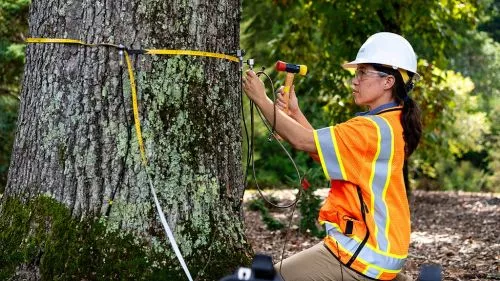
430,272
262,270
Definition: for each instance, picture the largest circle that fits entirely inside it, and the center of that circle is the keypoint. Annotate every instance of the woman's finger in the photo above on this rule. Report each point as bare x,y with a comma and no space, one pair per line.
251,73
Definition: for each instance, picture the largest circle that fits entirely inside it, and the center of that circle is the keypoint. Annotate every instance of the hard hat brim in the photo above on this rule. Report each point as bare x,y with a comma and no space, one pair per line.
354,64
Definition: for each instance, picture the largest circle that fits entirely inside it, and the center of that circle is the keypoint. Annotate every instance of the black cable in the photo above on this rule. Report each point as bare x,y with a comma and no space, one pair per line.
129,135
250,159
248,153
272,130
252,133
340,261
287,235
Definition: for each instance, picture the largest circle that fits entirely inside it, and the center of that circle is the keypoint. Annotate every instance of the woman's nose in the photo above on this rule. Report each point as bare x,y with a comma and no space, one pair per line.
354,81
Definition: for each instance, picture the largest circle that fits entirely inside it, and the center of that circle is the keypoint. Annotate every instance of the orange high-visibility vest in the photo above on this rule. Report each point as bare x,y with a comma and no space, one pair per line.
366,214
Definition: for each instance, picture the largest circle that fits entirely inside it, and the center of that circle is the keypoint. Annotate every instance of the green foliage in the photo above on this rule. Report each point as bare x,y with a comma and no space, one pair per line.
493,177
493,147
8,117
309,206
491,21
463,176
479,59
456,105
324,34
13,26
260,205
456,128
273,167
271,164
13,18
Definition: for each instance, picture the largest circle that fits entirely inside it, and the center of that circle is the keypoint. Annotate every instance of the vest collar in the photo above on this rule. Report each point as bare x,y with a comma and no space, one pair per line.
378,109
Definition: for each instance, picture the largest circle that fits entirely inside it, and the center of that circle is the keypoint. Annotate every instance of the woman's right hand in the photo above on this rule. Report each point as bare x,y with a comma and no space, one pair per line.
293,104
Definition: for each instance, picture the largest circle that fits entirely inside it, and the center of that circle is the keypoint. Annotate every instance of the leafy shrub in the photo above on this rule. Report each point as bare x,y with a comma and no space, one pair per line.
461,176
260,205
309,206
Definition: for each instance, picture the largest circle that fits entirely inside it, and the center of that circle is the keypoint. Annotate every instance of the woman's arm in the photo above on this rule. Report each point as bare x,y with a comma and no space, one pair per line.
299,136
293,107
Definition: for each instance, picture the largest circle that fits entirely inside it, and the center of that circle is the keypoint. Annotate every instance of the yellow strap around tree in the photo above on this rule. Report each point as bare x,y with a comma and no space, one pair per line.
190,53
68,41
146,51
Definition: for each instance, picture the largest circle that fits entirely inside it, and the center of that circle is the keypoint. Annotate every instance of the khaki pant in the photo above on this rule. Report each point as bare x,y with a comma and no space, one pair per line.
318,264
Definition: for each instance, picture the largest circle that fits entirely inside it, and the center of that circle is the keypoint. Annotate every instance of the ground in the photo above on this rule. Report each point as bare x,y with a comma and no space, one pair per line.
459,231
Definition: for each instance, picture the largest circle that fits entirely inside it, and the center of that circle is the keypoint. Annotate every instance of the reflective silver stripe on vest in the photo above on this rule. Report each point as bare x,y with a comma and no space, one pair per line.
366,255
381,177
372,272
332,164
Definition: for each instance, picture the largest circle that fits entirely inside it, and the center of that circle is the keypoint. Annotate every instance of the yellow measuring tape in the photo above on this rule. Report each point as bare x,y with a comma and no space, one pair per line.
131,72
68,41
135,108
146,51
190,53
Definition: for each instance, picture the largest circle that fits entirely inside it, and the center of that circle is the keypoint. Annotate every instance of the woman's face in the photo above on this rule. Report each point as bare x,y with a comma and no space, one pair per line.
370,87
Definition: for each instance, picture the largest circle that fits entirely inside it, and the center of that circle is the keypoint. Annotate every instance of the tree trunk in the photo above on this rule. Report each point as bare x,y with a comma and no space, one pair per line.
76,150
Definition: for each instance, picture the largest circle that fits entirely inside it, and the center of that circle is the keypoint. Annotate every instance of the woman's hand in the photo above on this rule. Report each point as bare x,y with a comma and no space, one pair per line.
253,87
293,104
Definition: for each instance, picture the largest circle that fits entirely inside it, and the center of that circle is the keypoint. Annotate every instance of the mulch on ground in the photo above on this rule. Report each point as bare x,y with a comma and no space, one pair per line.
457,230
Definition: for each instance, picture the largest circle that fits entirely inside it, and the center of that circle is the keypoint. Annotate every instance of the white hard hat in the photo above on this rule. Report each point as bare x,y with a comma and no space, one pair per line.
388,49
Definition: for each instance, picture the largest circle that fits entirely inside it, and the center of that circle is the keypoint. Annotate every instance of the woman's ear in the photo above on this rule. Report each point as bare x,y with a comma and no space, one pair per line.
389,82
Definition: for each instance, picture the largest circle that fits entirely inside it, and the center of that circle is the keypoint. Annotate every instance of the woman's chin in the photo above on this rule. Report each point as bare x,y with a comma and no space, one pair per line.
357,101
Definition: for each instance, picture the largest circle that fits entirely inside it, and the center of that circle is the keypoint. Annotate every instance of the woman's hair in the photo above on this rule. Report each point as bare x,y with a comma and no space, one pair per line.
411,117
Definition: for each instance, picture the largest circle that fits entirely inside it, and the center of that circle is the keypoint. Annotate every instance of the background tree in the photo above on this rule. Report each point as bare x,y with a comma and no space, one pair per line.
76,150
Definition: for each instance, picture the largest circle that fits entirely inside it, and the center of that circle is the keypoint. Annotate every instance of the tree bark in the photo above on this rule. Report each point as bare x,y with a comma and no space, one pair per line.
76,149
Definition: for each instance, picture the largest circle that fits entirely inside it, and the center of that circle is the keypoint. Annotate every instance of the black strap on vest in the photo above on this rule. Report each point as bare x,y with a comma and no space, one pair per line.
363,211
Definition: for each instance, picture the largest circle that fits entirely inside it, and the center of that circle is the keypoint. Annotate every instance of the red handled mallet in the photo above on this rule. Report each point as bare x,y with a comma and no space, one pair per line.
290,70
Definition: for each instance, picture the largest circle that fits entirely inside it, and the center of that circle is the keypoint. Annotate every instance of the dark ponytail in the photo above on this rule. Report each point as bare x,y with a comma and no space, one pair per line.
411,116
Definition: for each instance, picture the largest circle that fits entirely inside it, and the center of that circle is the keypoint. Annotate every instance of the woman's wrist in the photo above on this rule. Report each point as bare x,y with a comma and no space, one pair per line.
294,114
261,101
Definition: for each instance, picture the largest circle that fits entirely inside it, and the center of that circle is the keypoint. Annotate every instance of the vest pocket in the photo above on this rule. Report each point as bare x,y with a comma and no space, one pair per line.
351,226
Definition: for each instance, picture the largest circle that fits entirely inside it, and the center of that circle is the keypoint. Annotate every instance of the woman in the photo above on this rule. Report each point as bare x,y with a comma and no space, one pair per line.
366,214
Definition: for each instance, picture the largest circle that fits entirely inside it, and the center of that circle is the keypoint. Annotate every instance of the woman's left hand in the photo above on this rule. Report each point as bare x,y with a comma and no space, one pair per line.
253,86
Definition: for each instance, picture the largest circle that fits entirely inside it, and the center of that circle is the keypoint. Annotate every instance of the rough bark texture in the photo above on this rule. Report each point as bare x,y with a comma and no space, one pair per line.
76,147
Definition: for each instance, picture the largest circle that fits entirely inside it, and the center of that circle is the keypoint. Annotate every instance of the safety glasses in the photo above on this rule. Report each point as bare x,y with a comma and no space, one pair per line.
362,74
